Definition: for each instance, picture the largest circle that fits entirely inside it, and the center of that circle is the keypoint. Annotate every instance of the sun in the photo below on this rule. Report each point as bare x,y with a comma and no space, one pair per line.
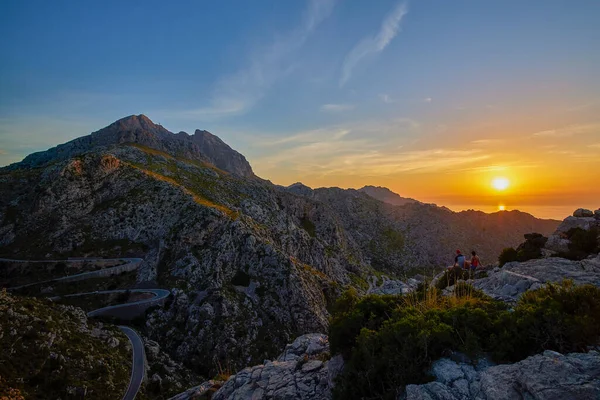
501,208
500,183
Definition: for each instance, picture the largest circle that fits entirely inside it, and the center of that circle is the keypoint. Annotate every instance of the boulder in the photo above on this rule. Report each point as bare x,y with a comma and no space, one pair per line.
597,214
549,376
303,371
515,278
583,213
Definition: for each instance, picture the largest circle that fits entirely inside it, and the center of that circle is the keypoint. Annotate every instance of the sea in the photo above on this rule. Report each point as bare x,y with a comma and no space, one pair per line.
545,212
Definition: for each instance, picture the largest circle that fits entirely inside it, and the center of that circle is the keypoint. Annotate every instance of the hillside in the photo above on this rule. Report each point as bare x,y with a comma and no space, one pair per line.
51,351
252,265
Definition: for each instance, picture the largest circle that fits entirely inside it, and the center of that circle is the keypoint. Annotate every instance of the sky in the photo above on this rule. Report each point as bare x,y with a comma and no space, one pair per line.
432,99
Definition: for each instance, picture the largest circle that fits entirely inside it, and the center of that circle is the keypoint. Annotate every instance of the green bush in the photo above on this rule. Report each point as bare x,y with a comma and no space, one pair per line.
582,243
390,341
507,255
559,317
532,247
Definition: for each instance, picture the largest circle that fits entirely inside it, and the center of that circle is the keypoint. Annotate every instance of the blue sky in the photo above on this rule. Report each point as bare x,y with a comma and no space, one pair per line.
328,92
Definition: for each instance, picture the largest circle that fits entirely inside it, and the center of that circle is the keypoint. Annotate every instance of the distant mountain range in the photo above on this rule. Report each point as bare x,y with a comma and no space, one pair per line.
252,264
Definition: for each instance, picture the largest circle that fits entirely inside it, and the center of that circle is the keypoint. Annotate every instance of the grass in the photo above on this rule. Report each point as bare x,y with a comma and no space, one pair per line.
190,190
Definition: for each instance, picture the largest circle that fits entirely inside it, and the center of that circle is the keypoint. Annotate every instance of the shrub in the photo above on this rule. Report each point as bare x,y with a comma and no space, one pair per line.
390,341
582,243
532,247
560,317
351,315
507,255
308,225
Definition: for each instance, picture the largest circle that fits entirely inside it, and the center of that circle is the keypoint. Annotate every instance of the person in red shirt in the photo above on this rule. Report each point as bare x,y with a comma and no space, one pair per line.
475,261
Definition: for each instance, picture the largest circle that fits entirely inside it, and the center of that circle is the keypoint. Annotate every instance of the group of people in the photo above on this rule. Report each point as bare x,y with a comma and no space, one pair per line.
460,261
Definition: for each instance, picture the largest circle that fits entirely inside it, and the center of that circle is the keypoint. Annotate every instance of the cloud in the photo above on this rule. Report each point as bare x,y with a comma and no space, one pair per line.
594,146
336,107
375,44
386,98
427,99
568,131
365,149
237,93
486,142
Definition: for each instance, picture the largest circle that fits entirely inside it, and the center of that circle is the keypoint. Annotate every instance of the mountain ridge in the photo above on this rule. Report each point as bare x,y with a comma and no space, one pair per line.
201,146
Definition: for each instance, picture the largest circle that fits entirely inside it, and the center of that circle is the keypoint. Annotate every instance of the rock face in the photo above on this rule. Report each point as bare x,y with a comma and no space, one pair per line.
303,371
514,278
549,376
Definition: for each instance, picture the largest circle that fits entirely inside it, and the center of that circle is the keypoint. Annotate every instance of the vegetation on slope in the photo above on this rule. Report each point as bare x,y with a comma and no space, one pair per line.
53,351
390,341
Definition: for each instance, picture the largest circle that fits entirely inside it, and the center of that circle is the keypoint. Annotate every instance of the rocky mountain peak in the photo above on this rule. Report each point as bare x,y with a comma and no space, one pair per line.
135,122
139,129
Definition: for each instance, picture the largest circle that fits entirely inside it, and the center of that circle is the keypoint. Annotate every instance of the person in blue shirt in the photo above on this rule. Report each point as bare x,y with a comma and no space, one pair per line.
459,260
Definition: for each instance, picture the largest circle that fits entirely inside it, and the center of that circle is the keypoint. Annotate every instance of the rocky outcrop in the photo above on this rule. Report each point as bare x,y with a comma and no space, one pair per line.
559,242
515,278
389,286
583,213
548,376
303,371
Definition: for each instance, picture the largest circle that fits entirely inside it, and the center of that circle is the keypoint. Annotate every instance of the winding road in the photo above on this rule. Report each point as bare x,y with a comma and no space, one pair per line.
138,362
125,310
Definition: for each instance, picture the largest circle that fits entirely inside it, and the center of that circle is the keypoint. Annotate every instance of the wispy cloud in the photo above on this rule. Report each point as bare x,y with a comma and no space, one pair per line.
487,142
237,93
386,98
374,44
365,149
594,146
568,131
336,107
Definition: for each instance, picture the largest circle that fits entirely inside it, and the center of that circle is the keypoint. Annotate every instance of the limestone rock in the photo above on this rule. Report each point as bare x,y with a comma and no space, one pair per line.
583,213
549,376
303,371
514,278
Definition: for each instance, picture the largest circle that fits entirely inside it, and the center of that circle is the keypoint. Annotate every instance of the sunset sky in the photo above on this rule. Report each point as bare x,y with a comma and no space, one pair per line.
433,99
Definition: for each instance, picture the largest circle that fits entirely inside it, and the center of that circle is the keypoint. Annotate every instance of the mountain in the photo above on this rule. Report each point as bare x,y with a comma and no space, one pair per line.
202,146
250,265
386,195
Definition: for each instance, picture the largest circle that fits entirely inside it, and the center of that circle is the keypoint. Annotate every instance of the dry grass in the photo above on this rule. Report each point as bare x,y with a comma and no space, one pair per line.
432,298
198,199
